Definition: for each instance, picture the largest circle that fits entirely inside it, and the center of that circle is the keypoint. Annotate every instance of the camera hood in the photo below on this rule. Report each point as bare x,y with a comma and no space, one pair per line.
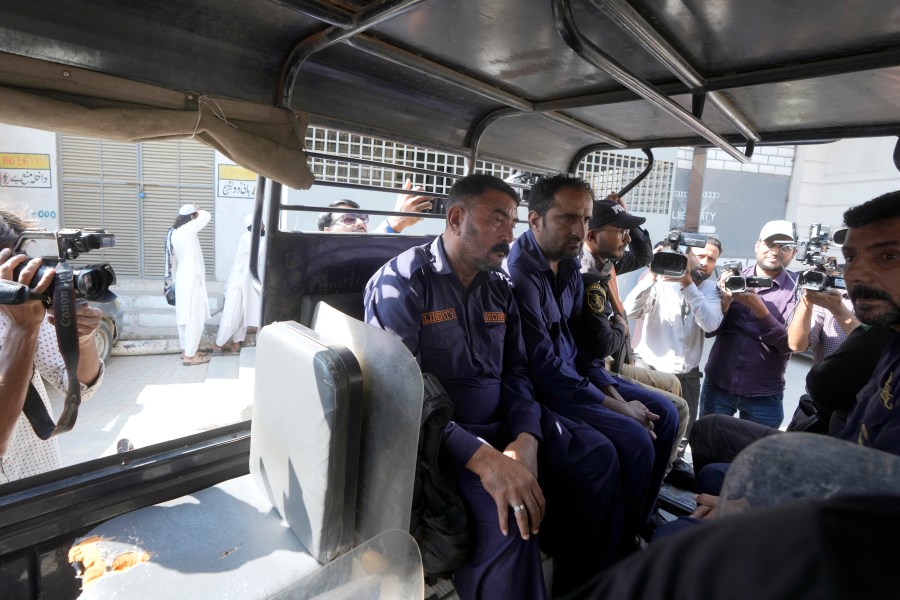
669,263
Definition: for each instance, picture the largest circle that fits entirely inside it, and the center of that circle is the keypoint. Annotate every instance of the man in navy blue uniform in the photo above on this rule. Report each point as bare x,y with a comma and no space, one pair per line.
453,307
549,291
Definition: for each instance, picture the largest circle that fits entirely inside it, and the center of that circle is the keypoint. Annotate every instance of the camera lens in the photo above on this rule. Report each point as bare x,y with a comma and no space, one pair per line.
813,280
736,283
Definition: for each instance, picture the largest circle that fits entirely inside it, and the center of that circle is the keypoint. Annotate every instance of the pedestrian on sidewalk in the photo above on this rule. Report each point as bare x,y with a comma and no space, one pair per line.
191,300
242,301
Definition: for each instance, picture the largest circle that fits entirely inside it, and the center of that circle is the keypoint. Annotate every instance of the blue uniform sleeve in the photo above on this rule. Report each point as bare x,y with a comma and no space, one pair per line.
585,362
523,414
639,253
556,381
394,302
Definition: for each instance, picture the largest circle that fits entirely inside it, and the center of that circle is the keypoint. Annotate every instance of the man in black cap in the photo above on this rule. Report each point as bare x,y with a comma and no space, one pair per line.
615,244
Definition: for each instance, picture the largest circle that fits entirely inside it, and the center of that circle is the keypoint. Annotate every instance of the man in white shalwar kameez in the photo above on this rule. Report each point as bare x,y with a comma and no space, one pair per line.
191,300
242,302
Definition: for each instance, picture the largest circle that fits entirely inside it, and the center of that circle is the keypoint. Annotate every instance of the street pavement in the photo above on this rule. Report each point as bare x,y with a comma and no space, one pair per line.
151,399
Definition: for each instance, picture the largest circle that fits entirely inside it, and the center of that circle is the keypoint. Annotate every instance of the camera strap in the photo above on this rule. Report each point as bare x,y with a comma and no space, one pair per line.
66,322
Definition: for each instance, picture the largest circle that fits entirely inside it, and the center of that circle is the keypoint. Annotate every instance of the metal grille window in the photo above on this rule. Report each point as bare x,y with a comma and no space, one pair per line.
607,172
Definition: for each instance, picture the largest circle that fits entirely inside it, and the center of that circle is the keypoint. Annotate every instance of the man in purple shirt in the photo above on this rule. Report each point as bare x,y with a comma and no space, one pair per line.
549,290
745,370
453,307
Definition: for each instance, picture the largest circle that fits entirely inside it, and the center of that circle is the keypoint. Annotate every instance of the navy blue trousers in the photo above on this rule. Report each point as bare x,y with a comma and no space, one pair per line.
642,461
581,530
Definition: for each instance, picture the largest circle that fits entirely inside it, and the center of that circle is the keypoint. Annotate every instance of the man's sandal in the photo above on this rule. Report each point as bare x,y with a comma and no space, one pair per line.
197,359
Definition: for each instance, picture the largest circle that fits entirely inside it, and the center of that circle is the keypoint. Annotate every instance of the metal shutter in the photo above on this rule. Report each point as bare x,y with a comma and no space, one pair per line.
175,172
100,190
102,184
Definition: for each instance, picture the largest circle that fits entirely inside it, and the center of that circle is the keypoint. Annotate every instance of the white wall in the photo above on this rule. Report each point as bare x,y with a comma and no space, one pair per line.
830,178
29,174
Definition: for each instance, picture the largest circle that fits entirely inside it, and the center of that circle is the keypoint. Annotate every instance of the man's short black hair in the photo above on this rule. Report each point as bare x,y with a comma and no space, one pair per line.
715,242
476,184
882,208
326,219
541,195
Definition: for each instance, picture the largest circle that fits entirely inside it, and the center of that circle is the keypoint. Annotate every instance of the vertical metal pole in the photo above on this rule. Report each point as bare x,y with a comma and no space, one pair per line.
695,191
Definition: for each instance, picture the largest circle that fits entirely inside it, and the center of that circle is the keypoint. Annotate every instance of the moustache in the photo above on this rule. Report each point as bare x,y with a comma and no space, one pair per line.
861,292
501,248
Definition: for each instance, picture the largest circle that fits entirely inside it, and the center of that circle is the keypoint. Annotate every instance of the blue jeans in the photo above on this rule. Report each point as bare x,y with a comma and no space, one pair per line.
765,410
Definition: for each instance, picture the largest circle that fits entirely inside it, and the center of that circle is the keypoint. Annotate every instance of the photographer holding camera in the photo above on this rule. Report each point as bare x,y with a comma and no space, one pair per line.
29,354
745,370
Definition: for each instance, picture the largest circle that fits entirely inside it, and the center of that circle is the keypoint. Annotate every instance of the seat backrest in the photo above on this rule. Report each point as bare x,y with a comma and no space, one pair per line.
392,416
305,435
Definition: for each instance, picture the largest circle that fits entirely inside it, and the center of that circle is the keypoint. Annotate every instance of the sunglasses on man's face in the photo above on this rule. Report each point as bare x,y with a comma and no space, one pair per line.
349,219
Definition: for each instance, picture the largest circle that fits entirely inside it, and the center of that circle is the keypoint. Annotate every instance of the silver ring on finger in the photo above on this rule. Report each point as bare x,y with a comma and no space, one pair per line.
518,507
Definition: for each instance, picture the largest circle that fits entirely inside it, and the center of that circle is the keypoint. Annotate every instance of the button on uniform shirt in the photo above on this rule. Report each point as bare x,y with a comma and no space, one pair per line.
470,339
875,421
675,321
562,373
26,453
750,355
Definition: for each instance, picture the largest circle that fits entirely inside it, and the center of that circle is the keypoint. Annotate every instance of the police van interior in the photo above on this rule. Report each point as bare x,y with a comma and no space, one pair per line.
316,490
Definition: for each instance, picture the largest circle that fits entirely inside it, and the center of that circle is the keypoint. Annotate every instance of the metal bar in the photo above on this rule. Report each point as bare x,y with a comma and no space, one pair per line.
375,163
380,213
473,137
897,154
565,24
370,16
404,58
641,176
320,10
430,68
769,75
255,228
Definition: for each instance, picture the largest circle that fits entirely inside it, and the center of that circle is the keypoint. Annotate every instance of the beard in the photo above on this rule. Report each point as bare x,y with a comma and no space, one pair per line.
874,316
776,266
699,275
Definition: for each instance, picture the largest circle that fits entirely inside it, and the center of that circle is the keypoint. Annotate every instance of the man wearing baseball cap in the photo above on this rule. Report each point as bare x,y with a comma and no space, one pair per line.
745,370
615,238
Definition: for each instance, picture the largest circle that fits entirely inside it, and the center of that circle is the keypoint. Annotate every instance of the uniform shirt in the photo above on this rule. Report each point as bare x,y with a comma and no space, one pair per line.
470,339
873,422
676,321
26,453
825,333
750,355
562,374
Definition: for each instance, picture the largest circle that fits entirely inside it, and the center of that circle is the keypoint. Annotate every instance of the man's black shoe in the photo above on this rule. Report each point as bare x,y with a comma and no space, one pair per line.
682,476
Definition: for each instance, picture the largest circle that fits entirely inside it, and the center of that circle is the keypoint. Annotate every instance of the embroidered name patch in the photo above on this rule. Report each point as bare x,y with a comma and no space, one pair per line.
438,316
495,317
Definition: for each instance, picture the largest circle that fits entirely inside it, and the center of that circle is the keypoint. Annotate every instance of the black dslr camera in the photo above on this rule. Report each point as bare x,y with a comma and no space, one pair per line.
824,272
738,283
672,263
91,282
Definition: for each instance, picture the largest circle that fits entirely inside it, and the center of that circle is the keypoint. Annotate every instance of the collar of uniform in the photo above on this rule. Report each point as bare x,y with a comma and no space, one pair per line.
534,258
439,261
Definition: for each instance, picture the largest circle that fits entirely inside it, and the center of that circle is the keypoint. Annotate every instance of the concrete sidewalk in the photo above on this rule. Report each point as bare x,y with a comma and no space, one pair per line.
151,399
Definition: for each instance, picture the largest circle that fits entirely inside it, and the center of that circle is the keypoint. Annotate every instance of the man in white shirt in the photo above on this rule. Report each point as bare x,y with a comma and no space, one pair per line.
677,313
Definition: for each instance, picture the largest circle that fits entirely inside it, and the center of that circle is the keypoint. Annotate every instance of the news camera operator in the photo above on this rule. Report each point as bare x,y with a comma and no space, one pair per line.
29,355
745,370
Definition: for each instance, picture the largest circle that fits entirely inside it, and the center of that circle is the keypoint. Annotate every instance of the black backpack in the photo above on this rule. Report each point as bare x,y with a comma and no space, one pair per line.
438,522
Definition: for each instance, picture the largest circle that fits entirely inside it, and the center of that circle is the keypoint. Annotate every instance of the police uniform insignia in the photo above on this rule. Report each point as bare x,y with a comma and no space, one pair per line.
596,298
887,399
495,317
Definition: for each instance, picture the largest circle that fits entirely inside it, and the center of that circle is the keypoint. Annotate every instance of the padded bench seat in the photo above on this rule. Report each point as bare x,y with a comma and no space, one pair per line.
222,542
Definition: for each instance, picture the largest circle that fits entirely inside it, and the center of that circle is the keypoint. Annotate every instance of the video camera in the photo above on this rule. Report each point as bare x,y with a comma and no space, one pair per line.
824,272
91,282
672,263
738,283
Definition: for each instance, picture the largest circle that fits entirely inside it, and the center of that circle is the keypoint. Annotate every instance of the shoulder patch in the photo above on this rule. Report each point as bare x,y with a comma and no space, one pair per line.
596,298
